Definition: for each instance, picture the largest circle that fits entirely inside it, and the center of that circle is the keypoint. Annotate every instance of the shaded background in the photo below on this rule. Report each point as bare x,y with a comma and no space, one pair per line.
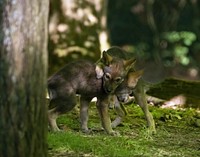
162,35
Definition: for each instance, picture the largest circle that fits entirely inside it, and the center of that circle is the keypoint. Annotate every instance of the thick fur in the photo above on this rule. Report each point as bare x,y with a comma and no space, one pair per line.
80,78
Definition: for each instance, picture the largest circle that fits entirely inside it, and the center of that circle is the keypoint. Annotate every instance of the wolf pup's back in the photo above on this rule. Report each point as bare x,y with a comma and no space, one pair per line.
78,77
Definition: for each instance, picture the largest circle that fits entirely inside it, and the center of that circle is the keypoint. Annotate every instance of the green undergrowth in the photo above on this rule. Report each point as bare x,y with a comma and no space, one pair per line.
178,135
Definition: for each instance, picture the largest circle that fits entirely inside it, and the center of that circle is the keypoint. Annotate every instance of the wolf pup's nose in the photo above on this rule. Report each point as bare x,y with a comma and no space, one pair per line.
123,99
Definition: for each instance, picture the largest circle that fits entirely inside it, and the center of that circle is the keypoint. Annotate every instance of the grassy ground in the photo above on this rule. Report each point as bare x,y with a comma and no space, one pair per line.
178,135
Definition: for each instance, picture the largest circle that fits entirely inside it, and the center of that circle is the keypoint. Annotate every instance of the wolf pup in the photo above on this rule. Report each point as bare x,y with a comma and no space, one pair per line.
80,78
138,92
122,95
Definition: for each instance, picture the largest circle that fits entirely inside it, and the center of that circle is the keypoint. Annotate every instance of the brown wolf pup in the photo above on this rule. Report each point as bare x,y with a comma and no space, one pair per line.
138,92
80,78
122,94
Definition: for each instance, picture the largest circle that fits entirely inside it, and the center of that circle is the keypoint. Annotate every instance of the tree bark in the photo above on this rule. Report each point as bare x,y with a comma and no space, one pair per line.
23,72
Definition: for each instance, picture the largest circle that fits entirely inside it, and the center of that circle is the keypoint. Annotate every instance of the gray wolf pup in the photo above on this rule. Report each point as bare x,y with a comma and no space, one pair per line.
80,78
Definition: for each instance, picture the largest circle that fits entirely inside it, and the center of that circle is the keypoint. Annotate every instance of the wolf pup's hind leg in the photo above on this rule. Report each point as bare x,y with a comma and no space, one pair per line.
62,105
52,116
140,97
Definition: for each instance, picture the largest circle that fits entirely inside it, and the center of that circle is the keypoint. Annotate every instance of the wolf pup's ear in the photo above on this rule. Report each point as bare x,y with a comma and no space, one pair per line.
129,63
99,71
107,59
133,78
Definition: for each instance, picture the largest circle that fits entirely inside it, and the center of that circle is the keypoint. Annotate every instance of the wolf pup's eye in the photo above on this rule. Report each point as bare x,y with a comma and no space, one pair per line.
118,80
107,76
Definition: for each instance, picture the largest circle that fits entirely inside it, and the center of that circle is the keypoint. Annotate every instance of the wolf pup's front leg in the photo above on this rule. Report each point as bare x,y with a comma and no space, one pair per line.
120,110
102,106
60,102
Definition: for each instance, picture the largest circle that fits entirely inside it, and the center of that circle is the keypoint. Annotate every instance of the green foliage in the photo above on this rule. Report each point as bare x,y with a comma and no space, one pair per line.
186,37
179,43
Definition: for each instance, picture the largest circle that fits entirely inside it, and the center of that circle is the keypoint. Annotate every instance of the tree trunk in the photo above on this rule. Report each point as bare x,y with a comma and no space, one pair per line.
170,88
23,71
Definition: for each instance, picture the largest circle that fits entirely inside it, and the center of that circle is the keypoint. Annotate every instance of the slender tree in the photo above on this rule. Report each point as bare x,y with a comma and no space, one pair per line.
23,71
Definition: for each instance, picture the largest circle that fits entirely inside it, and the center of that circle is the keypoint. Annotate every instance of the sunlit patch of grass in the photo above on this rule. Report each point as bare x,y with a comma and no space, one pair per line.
96,145
177,136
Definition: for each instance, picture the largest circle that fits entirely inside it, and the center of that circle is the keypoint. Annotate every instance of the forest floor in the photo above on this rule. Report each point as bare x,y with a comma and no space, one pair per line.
178,135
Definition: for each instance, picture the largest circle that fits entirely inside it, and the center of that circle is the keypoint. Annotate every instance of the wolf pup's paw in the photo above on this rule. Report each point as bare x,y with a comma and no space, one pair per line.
86,131
148,133
56,129
114,133
116,122
99,72
152,130
53,129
